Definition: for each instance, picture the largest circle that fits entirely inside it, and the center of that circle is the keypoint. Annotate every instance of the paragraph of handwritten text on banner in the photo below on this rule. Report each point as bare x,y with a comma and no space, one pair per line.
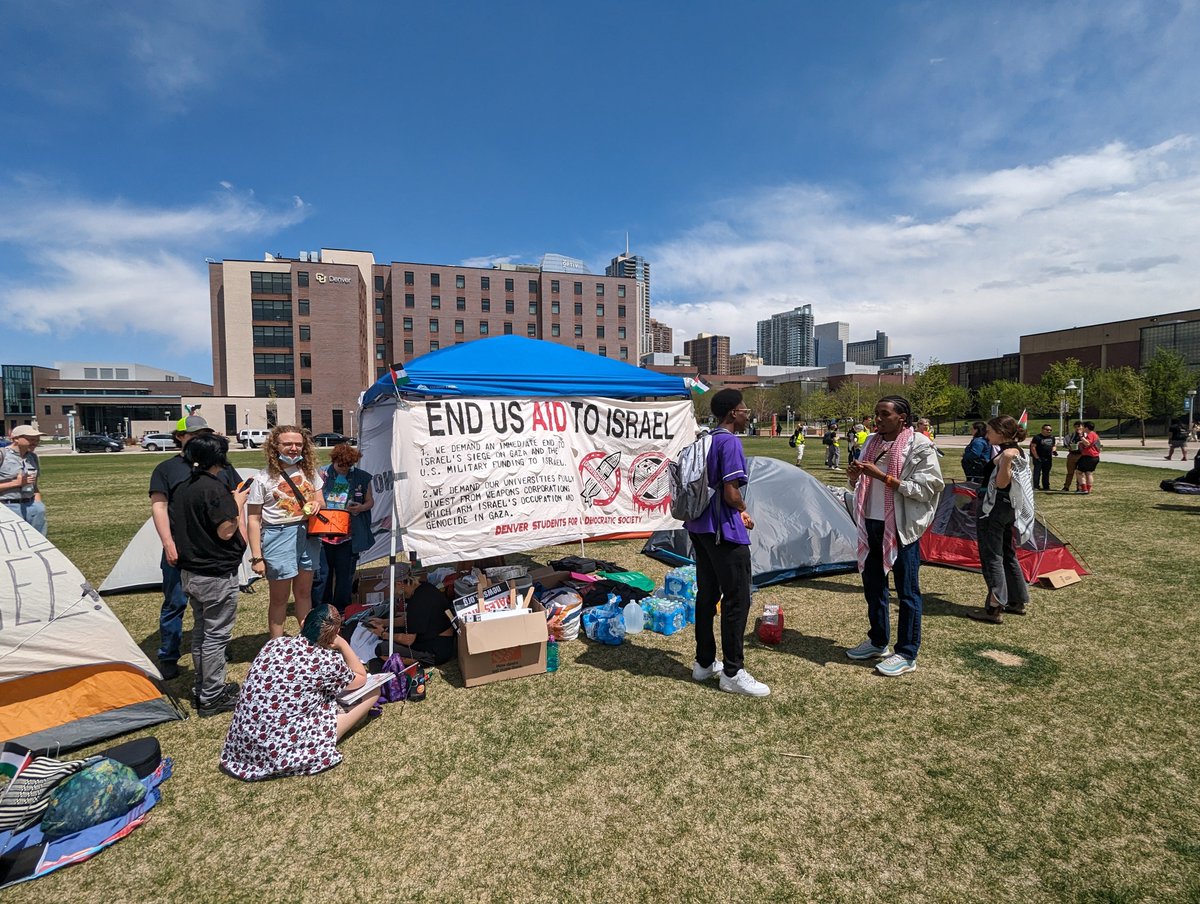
491,476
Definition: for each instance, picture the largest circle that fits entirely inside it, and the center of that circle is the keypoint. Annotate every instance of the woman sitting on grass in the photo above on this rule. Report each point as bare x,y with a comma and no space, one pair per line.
288,720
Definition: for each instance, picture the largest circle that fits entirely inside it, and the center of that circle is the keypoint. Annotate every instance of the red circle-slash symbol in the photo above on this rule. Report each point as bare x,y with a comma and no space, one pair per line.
600,473
649,481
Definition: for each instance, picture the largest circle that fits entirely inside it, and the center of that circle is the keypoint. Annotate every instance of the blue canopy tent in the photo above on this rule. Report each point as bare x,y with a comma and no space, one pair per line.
501,366
517,366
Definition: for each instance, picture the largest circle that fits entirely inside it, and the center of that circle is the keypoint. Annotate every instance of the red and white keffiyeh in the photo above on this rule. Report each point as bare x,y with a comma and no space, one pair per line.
896,456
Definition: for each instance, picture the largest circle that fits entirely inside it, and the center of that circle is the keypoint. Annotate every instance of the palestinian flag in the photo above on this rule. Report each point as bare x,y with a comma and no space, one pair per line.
1023,420
695,385
399,377
13,758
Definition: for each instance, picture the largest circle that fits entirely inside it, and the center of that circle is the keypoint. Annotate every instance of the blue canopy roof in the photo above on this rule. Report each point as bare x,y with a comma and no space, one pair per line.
517,366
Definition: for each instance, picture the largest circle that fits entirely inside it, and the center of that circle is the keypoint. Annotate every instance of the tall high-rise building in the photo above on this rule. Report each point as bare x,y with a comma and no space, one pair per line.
632,266
709,353
869,351
831,340
786,340
661,337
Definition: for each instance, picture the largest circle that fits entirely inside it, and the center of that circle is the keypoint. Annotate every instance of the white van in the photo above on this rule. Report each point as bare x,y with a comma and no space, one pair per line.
252,439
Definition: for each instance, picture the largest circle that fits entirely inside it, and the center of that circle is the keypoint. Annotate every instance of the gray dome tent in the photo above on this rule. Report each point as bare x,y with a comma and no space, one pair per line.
801,529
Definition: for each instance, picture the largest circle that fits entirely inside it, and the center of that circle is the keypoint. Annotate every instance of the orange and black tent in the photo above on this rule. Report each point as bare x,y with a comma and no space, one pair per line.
70,674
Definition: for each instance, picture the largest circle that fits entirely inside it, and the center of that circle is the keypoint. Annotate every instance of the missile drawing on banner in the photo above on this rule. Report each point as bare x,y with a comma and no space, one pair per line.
601,475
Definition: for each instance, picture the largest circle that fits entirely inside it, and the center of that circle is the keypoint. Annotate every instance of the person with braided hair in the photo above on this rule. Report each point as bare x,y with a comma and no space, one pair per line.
897,482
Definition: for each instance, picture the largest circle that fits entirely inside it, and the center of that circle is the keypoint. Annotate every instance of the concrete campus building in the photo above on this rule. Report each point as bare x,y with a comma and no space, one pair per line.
318,328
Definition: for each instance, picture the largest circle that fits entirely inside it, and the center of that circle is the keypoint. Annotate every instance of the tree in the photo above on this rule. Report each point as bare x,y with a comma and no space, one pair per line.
850,400
930,392
1122,392
1168,378
1014,398
1060,373
763,401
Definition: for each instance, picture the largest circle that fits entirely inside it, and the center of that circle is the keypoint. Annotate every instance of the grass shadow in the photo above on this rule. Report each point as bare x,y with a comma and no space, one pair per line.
1190,509
817,650
830,586
633,658
937,605
1033,669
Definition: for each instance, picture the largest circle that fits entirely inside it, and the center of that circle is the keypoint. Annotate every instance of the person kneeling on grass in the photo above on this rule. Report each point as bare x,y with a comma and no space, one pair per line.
288,720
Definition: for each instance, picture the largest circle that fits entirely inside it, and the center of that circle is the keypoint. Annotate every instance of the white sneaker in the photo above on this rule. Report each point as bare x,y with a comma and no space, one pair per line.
700,673
744,683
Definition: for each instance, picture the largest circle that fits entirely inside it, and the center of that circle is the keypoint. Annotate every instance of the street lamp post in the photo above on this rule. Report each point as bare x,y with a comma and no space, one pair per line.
1191,407
167,418
996,408
1062,411
71,428
1071,387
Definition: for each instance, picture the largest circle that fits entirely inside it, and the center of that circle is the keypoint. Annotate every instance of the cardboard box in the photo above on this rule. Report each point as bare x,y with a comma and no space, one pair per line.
503,648
1059,579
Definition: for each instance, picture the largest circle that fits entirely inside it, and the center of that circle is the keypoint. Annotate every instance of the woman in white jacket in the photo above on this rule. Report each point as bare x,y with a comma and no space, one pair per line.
897,482
1007,507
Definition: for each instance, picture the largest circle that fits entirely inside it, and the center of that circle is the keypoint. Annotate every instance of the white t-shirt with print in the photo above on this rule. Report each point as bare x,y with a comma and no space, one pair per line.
279,503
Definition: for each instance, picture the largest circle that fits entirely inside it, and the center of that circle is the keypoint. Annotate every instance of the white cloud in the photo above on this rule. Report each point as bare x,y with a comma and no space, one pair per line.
1079,239
491,260
110,267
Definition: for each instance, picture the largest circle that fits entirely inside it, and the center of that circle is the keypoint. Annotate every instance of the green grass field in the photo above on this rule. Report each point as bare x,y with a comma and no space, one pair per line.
1073,775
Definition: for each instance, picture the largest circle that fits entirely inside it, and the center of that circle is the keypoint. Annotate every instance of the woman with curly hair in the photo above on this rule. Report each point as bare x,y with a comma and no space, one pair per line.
282,497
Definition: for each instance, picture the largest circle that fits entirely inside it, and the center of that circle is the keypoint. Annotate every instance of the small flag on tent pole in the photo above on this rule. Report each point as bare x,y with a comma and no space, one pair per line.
1023,420
695,385
399,377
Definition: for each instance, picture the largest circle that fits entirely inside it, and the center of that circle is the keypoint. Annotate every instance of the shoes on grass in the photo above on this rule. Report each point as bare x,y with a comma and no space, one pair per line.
868,650
224,702
1015,609
896,665
744,683
169,670
991,614
703,673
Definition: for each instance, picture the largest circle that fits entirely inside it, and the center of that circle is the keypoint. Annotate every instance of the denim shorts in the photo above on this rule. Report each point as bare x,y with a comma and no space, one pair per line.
288,550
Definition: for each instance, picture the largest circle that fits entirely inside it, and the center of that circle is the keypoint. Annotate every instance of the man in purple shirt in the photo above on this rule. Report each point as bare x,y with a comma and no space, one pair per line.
721,540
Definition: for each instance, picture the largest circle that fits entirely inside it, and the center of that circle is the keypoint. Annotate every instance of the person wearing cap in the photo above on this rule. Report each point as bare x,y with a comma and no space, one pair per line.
19,477
168,477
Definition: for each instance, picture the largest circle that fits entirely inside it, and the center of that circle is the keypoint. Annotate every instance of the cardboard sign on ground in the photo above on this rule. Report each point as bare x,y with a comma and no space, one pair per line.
1058,579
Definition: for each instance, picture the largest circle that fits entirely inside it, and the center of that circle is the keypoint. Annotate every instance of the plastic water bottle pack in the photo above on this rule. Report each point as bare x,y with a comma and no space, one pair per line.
664,615
680,583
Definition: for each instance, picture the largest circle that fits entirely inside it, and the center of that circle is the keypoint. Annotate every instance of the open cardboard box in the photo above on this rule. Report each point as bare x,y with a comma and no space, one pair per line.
503,648
548,577
1063,577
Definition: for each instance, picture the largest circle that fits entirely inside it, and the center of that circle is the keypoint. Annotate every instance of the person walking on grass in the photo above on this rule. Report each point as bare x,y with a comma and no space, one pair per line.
833,452
721,540
897,483
1006,507
1177,439
1073,452
1089,459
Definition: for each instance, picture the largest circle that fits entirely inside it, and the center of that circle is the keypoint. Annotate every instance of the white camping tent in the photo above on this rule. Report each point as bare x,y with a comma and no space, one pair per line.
70,674
138,568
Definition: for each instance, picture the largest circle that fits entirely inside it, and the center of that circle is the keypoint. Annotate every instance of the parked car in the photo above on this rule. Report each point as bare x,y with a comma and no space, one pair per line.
90,443
156,442
252,439
332,439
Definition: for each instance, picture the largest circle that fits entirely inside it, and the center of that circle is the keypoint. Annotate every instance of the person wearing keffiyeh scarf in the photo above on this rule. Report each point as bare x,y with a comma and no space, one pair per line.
1006,508
896,481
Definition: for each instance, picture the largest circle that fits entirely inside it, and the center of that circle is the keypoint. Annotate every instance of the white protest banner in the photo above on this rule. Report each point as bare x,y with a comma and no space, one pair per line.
485,477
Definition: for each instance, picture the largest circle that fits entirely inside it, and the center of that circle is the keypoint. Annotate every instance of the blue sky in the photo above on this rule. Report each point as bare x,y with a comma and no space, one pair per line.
955,174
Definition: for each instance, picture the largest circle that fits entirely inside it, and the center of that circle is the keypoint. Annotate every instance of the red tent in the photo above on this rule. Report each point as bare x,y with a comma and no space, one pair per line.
950,540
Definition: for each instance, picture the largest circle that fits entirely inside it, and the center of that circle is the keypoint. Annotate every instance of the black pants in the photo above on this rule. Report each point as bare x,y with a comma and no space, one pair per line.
998,555
722,573
340,560
1041,472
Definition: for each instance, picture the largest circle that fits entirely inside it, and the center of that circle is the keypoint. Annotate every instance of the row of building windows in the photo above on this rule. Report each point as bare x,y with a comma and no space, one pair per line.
275,283
459,327
485,284
485,306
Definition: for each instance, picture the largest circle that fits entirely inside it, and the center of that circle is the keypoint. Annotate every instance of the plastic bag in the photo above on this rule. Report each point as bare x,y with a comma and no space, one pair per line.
770,625
606,623
630,578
